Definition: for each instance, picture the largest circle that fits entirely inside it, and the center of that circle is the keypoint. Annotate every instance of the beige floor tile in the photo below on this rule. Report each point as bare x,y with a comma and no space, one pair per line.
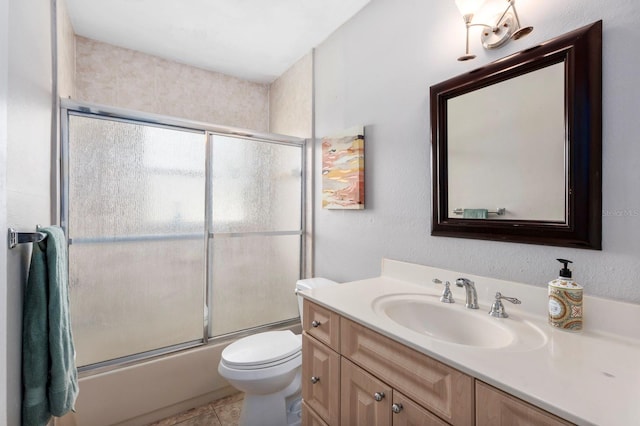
186,415
223,412
228,400
229,414
203,420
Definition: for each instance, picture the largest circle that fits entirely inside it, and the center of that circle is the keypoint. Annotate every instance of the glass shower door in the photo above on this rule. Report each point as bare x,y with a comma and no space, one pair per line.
136,228
255,249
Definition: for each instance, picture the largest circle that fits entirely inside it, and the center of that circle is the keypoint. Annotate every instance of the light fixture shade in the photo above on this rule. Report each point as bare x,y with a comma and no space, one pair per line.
469,7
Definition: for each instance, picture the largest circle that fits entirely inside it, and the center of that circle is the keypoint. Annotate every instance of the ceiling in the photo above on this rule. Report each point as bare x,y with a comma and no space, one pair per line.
257,40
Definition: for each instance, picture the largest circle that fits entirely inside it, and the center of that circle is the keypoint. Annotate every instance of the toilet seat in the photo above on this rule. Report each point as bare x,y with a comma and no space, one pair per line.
262,350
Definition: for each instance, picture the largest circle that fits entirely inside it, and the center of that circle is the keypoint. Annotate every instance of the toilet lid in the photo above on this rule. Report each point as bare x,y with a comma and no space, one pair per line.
261,349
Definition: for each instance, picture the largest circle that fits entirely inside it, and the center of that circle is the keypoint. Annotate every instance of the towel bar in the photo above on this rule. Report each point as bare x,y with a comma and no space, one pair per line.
16,237
499,211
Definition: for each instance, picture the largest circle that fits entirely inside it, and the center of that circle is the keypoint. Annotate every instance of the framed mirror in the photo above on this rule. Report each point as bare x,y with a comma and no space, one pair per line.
517,146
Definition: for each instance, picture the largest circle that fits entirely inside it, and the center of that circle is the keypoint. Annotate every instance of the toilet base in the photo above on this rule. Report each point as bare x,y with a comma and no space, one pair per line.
271,410
282,408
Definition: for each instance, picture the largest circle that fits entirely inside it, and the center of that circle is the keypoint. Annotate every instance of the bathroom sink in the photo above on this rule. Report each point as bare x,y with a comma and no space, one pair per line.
454,323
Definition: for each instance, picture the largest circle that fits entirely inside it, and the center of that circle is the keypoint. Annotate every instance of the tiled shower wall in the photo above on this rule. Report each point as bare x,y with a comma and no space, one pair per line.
114,76
291,100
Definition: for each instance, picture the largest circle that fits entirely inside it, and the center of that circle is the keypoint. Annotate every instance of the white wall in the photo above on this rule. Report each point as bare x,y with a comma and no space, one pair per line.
376,70
4,330
27,55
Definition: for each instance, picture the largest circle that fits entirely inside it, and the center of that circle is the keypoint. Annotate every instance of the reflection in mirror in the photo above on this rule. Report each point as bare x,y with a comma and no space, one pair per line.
521,167
517,146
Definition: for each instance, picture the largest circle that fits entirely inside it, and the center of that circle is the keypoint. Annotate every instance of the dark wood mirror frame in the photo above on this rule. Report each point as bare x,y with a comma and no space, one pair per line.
581,52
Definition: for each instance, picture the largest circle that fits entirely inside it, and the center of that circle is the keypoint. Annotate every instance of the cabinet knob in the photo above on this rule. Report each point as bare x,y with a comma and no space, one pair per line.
315,379
396,407
315,323
378,396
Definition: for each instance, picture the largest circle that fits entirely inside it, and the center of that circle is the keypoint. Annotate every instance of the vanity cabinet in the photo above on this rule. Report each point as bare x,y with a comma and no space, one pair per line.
321,379
367,400
499,408
321,323
443,390
352,375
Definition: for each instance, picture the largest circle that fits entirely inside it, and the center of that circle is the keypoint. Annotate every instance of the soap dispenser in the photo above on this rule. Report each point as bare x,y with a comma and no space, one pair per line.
565,300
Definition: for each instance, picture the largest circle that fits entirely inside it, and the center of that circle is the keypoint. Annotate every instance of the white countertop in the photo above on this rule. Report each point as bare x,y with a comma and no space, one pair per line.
589,378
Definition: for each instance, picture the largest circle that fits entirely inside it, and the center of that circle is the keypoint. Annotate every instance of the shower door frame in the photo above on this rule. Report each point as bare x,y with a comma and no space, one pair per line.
70,107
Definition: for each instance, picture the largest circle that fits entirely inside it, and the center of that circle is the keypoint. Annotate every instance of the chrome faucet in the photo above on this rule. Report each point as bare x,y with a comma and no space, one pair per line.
470,290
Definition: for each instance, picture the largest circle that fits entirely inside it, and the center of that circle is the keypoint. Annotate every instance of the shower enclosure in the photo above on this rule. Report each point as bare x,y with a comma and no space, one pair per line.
179,232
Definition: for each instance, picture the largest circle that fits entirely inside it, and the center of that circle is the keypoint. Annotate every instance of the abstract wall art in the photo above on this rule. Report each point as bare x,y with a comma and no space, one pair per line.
343,170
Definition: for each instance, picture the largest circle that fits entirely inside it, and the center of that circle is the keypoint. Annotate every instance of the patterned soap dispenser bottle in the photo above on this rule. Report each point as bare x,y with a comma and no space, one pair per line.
565,301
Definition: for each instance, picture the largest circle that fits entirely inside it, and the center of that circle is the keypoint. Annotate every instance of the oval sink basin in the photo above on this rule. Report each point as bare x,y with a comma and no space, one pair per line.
453,323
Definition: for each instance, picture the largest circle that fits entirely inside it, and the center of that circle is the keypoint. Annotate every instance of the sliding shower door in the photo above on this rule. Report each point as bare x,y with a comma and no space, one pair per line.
178,232
255,249
136,228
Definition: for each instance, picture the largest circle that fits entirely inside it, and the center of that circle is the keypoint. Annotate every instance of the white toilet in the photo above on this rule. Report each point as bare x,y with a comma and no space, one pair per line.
266,367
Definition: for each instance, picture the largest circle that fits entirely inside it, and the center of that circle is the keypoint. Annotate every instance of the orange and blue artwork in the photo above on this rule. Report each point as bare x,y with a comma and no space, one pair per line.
343,170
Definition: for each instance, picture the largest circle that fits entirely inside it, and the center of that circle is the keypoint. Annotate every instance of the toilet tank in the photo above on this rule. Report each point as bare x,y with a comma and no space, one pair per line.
309,283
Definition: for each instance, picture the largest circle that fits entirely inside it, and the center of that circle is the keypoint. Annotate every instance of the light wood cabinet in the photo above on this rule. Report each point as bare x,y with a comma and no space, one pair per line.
321,323
497,408
354,376
412,414
321,379
365,400
310,417
443,390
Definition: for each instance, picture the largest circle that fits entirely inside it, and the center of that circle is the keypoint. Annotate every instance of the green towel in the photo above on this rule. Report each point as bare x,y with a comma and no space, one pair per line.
48,356
475,213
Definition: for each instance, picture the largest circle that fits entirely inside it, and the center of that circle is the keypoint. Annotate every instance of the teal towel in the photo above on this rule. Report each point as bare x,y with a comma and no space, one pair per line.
475,213
48,356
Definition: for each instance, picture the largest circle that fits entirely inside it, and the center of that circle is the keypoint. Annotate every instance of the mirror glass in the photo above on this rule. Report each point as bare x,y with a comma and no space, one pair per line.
522,168
517,146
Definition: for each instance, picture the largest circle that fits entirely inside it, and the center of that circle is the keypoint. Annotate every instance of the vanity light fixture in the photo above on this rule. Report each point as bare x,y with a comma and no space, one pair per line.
507,26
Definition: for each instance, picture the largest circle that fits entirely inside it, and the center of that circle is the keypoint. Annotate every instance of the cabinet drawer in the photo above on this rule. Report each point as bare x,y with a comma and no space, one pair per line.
441,389
321,379
496,408
322,324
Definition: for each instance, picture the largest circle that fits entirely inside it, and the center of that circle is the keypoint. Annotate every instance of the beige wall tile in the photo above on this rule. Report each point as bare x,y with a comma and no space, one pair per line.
66,52
124,78
291,98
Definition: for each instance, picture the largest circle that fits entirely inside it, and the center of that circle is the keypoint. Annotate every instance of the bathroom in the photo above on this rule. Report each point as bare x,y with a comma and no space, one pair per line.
375,71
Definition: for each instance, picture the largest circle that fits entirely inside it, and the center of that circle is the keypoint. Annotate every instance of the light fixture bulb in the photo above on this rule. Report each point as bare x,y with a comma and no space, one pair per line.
469,7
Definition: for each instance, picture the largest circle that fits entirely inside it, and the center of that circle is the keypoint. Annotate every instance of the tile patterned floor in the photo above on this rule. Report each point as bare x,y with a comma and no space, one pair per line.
223,412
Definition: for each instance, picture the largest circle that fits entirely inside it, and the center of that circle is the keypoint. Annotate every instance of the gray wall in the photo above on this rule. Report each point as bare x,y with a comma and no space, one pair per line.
27,95
376,70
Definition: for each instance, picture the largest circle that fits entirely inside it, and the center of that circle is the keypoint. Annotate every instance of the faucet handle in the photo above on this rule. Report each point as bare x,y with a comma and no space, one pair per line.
497,308
446,297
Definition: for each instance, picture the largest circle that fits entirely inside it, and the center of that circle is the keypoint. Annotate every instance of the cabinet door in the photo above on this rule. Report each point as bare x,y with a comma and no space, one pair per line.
321,379
496,408
408,413
365,400
310,418
322,324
